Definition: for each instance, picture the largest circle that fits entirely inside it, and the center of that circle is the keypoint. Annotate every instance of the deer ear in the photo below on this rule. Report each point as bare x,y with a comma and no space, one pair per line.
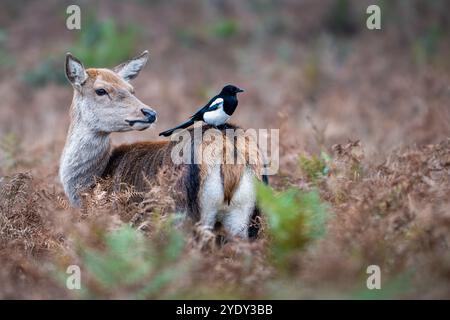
130,69
75,71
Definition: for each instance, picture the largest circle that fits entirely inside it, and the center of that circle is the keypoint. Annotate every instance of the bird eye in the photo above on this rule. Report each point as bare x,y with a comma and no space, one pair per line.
101,92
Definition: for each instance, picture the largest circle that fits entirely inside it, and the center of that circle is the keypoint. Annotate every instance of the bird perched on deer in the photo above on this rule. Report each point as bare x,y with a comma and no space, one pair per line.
216,112
104,102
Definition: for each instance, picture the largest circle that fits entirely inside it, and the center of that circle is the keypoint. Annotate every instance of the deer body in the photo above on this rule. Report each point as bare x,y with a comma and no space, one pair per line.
103,103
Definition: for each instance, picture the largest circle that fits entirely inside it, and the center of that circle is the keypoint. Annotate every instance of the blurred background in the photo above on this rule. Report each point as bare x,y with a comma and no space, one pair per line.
311,69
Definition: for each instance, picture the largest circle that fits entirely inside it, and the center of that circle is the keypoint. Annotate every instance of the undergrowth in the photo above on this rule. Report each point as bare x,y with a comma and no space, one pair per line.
317,240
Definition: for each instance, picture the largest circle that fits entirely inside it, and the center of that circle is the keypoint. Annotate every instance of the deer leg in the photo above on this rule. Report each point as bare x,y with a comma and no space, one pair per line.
211,198
236,220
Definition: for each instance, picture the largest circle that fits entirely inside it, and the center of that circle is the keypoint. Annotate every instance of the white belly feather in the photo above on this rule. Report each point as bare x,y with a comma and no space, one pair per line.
216,117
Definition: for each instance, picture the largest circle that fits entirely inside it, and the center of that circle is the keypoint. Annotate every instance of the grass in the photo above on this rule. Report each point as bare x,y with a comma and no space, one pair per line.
303,248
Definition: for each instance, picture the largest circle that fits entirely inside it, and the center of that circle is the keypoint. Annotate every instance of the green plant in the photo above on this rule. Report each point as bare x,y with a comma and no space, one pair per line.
224,28
103,43
314,167
295,218
192,35
426,46
131,264
47,71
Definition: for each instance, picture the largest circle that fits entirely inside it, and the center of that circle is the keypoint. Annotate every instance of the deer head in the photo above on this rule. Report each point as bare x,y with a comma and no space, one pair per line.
104,99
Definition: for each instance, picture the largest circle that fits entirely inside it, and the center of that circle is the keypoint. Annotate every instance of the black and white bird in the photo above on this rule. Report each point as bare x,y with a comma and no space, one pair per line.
216,112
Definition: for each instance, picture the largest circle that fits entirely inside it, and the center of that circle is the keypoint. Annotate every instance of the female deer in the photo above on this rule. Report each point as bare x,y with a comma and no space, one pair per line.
104,102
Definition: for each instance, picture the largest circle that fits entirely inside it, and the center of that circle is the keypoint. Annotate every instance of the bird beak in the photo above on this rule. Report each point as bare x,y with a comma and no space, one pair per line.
240,90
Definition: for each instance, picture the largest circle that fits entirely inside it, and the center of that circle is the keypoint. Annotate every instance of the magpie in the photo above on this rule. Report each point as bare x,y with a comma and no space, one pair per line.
216,112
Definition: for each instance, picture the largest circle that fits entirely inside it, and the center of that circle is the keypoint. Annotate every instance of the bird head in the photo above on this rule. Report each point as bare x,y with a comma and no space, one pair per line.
230,90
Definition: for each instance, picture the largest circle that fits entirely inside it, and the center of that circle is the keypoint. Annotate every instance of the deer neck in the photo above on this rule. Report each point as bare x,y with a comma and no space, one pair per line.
85,157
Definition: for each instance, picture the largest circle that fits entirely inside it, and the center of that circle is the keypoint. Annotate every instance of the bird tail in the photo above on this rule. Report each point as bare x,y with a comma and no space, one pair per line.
181,126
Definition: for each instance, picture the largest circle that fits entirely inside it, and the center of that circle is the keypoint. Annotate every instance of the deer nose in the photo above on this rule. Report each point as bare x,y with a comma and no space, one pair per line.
150,114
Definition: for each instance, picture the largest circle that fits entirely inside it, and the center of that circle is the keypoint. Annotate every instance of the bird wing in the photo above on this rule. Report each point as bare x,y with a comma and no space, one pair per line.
216,104
213,104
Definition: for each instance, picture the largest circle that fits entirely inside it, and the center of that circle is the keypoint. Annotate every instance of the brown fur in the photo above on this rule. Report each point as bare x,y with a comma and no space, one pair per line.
109,77
132,164
92,73
213,149
128,163
241,151
231,176
232,173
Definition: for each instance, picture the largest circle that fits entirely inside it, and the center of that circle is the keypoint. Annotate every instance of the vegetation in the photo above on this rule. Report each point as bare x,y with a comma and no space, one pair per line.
122,255
102,43
6,60
294,219
366,184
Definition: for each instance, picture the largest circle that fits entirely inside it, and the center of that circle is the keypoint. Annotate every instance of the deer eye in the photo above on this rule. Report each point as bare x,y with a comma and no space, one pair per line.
101,92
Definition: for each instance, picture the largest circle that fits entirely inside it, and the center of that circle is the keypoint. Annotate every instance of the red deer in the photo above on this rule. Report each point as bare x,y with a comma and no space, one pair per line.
104,102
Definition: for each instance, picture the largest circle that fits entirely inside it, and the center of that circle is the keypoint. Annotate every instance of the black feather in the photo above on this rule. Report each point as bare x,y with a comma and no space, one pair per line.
184,125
